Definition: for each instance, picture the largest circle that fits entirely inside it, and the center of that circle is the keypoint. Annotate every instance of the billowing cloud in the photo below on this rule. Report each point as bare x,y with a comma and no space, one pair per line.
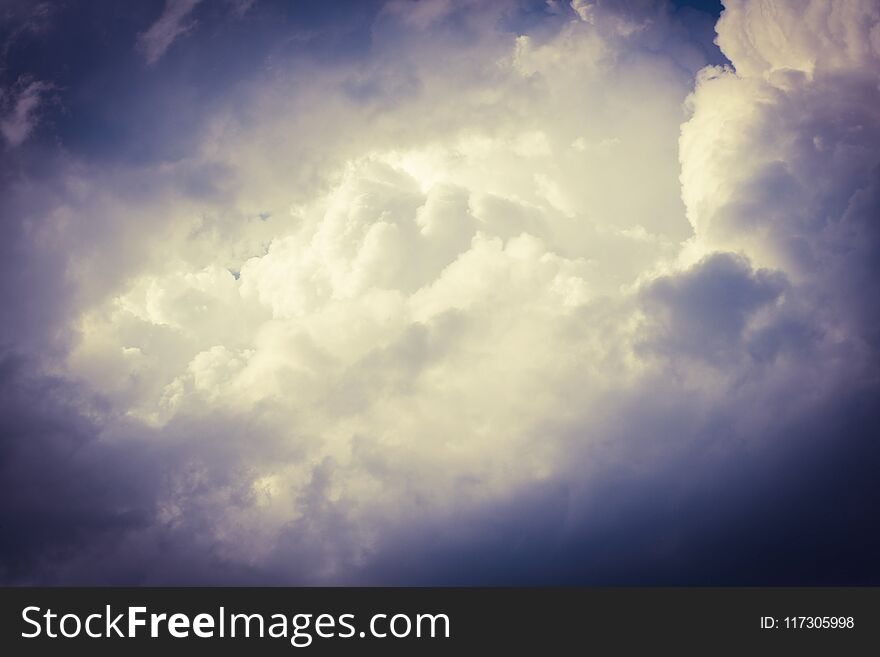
554,289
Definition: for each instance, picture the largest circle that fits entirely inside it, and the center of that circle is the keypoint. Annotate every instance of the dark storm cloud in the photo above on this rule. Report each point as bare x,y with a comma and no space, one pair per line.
799,512
61,488
111,105
687,488
77,505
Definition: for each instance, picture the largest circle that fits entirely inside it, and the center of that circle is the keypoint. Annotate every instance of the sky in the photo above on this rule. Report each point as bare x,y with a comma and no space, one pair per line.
439,292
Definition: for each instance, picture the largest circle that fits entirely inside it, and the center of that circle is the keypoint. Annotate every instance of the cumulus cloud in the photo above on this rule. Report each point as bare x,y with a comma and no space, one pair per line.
814,37
526,293
792,179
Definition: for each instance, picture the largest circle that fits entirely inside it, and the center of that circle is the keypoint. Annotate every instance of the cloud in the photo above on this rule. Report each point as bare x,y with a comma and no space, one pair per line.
792,179
61,489
21,105
764,37
241,7
705,311
547,294
168,27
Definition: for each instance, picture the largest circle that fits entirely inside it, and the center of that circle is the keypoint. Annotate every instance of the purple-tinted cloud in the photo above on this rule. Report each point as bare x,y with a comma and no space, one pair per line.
170,25
479,293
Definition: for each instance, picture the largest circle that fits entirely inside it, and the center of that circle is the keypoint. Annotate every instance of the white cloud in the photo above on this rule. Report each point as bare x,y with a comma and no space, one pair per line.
413,303
778,151
813,36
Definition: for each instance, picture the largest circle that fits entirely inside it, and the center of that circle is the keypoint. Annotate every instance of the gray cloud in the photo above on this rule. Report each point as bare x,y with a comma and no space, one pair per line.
20,110
387,322
704,312
170,26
